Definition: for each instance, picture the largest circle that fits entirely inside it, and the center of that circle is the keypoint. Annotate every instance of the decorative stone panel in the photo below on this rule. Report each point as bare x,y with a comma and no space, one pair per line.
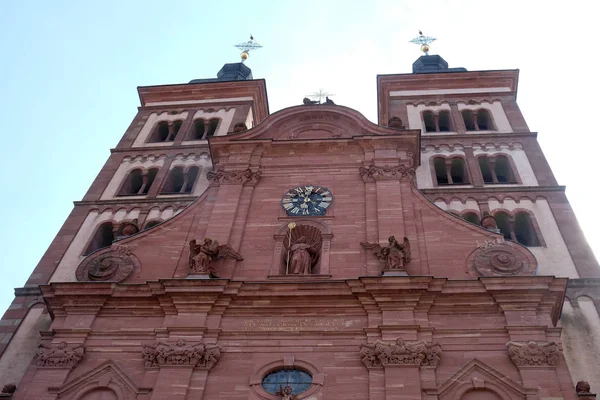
246,177
383,354
533,353
180,354
376,173
59,355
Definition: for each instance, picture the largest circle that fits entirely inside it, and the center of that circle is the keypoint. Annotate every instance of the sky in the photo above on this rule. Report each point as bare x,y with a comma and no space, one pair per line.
70,70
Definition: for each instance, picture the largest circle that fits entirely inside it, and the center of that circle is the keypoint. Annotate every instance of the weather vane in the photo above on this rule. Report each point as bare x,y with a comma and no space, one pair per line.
245,47
424,41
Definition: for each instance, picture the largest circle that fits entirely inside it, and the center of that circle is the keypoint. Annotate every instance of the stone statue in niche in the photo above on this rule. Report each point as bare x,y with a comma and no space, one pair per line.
286,393
394,255
240,127
303,249
395,123
128,229
202,255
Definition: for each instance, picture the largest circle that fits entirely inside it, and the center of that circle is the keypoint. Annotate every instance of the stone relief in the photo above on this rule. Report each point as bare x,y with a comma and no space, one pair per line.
583,391
240,127
195,355
59,355
375,173
533,353
395,123
303,249
202,255
500,258
115,264
395,255
400,352
220,177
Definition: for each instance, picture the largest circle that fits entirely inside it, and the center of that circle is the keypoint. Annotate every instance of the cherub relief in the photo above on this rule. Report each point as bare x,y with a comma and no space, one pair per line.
202,255
286,393
395,255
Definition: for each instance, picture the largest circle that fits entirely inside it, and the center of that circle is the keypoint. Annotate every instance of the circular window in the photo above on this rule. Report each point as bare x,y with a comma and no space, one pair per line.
296,379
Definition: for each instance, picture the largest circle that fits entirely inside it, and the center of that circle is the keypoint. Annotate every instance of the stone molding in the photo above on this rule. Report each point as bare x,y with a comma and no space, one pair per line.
383,354
180,354
246,177
59,355
533,354
375,173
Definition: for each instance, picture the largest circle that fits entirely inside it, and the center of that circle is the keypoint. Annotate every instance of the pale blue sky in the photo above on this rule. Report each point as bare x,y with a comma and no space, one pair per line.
69,74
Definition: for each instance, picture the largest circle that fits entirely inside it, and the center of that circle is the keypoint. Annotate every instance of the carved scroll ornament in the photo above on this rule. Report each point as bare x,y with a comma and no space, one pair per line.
375,173
381,354
533,353
59,355
246,177
114,264
195,355
501,258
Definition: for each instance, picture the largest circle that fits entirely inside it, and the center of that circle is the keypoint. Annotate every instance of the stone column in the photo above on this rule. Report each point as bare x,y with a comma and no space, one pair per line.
457,120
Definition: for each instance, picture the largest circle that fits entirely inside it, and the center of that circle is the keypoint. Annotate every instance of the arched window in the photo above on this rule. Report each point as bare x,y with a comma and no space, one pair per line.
180,180
450,171
204,128
150,224
164,131
484,120
444,123
469,120
496,169
439,164
504,224
138,182
103,237
524,230
429,120
472,218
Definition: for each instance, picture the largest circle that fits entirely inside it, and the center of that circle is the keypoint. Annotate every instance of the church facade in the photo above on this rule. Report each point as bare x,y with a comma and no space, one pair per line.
224,252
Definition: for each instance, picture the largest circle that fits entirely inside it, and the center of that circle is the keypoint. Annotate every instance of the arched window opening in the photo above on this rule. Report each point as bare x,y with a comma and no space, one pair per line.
212,127
148,179
174,181
444,124
480,394
472,218
525,231
439,165
503,223
103,237
176,128
457,171
190,179
503,170
133,183
429,120
204,128
469,120
484,120
486,170
150,224
198,129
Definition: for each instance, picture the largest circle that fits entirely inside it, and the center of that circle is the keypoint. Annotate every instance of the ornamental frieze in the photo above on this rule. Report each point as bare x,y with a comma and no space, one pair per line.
533,353
59,355
221,177
181,354
375,173
400,352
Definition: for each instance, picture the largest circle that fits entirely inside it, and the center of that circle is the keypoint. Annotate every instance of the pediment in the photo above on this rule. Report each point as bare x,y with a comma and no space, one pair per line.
311,122
476,375
107,376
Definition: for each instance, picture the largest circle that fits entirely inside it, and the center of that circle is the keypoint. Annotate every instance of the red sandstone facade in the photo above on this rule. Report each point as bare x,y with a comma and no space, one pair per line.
469,317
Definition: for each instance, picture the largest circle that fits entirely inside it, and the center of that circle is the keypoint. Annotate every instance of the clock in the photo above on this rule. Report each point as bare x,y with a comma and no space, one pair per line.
307,200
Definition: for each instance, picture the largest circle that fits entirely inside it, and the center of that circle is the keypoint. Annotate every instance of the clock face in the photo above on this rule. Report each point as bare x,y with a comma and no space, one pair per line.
307,200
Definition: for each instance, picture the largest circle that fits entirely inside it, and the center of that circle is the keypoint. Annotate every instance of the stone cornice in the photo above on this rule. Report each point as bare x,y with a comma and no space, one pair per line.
488,189
119,201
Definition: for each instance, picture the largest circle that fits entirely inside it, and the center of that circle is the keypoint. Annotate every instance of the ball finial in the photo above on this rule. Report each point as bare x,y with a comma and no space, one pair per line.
425,48
244,55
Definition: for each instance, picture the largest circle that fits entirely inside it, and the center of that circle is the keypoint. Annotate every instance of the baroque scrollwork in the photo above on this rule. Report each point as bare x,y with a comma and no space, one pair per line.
375,173
59,355
533,353
500,259
400,352
115,265
246,177
181,353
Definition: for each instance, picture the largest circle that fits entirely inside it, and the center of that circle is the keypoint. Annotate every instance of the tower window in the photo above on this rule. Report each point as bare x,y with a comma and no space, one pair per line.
496,169
165,131
138,182
524,230
444,124
450,171
484,120
204,128
472,218
469,120
180,181
503,223
150,224
103,237
429,120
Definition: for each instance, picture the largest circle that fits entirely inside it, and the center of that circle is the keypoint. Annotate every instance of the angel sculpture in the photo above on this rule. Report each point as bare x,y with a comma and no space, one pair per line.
395,255
286,393
202,255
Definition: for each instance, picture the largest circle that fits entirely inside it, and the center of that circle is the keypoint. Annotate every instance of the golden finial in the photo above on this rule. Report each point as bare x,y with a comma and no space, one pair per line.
424,41
291,225
246,47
